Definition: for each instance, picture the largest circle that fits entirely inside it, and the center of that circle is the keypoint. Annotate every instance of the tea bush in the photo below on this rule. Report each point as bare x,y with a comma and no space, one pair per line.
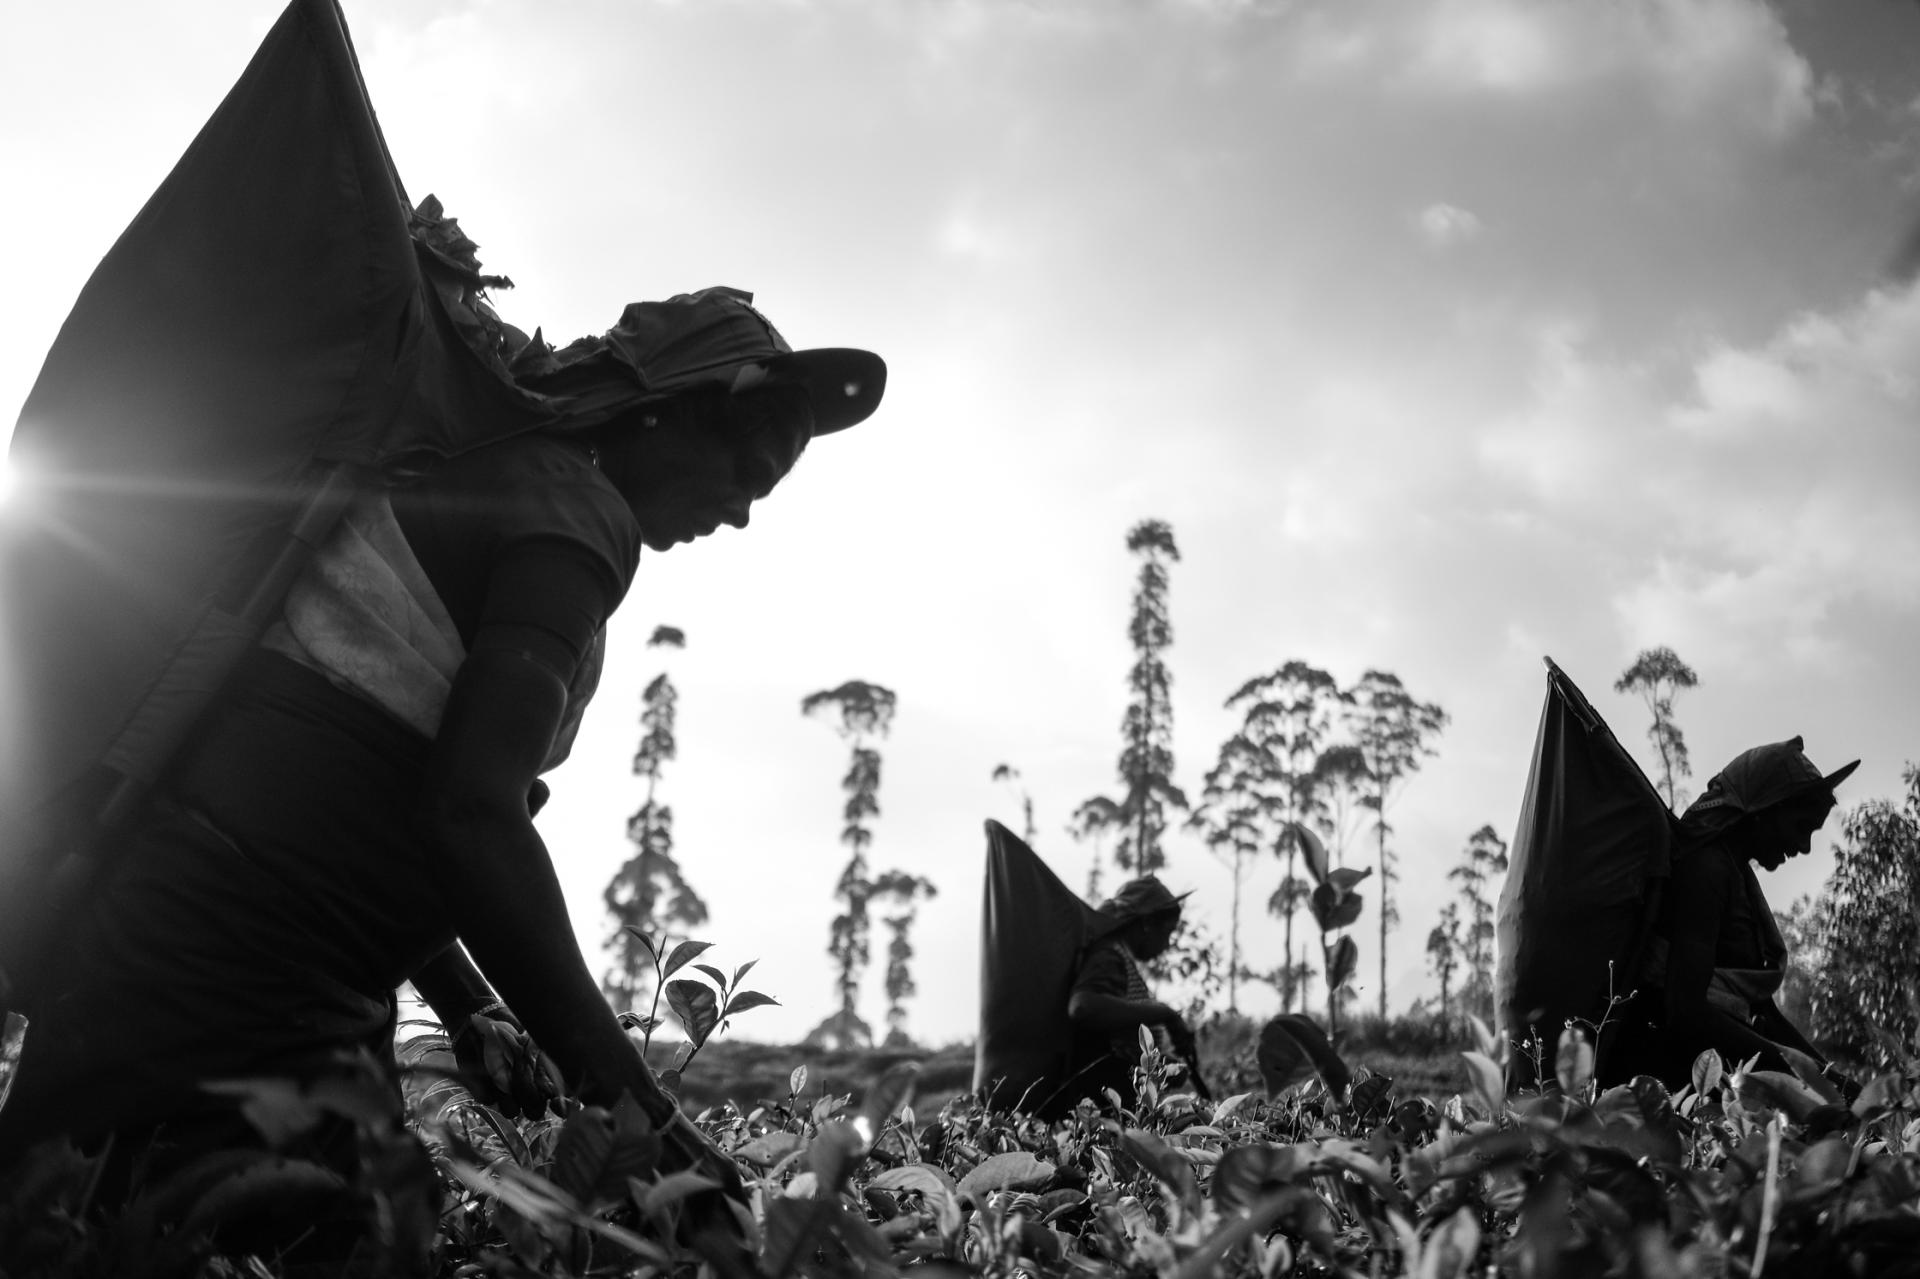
1743,1173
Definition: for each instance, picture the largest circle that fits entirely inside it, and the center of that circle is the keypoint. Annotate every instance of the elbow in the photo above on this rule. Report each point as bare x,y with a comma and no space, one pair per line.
1079,1012
451,818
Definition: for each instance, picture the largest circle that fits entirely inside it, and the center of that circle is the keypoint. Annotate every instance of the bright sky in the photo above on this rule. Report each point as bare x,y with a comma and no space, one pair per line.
1445,335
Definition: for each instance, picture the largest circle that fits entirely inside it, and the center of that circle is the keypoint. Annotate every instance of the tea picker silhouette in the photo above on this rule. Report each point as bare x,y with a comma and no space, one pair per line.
309,587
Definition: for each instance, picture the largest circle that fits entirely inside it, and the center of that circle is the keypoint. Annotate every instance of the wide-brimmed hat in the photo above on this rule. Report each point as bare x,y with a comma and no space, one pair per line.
713,338
1764,776
1141,897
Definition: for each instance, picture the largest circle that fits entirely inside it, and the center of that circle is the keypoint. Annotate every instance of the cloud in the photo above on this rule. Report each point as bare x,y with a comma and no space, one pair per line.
1444,225
1234,8
1694,58
1757,500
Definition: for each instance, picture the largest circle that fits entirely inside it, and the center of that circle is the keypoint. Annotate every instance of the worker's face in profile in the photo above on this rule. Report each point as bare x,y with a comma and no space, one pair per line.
707,461
1156,934
1786,830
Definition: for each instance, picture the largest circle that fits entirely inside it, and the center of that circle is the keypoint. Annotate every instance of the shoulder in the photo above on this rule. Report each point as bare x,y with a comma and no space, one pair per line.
536,487
1710,865
519,469
1103,964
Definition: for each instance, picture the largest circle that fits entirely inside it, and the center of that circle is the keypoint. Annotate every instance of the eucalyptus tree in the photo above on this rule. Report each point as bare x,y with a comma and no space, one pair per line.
1092,822
1394,731
861,713
1658,675
1284,903
1288,714
1342,783
904,890
1146,730
1481,864
649,895
1232,819
1444,946
1011,775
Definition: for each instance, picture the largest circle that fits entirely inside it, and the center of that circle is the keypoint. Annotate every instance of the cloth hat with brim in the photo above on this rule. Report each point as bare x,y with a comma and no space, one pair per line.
1764,776
711,339
1141,897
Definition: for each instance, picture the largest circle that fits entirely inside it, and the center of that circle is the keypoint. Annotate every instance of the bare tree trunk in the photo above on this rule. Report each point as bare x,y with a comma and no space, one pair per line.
1233,943
1292,978
1666,760
1383,905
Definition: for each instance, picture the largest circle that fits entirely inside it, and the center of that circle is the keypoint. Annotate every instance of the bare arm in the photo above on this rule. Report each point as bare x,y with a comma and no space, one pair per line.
449,982
1113,1015
506,900
1701,886
1095,1006
455,990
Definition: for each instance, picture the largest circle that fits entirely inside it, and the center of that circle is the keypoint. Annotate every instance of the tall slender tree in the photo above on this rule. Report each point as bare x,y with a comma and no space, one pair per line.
1482,862
1343,783
1009,774
862,714
1092,822
1394,732
1658,675
1232,818
900,985
649,893
1146,730
902,889
1289,714
1444,946
1284,903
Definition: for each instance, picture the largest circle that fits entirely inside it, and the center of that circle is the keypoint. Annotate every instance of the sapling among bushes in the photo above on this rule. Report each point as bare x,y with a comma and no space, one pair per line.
700,1008
649,893
1335,906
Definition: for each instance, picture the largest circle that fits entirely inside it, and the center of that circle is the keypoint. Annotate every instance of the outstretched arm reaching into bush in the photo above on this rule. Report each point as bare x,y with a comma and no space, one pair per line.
1100,1006
500,719
1703,881
454,988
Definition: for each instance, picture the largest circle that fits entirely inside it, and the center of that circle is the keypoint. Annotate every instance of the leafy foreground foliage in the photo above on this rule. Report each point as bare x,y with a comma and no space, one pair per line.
1743,1172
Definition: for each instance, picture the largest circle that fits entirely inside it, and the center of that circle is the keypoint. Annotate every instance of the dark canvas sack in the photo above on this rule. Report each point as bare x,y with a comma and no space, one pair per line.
264,340
1032,930
1593,846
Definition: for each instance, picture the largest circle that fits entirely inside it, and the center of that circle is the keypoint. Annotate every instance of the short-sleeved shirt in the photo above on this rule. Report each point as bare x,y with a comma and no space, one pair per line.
527,539
521,546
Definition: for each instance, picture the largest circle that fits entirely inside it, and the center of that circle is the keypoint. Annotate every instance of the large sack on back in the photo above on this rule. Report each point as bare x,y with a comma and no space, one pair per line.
262,339
264,316
1031,932
1593,842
